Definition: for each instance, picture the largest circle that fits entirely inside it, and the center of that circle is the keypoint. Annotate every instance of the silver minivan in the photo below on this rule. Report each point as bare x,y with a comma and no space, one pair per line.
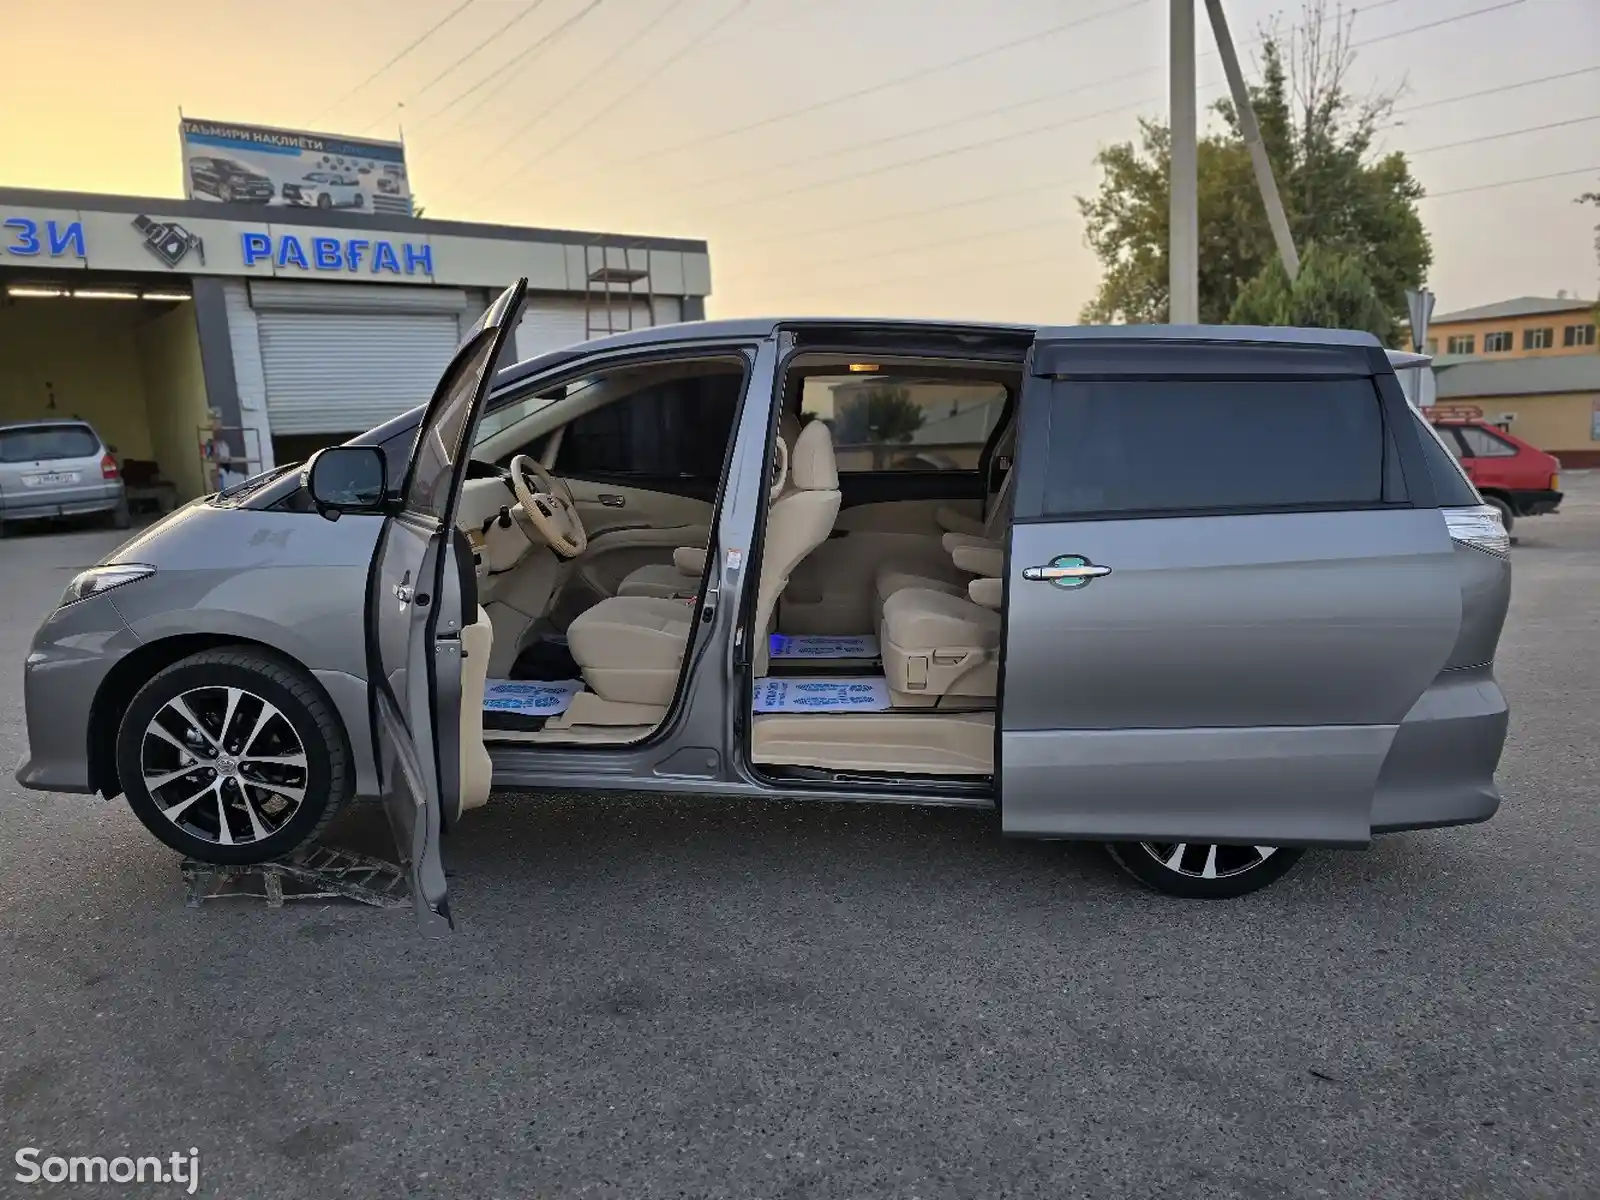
1209,596
51,468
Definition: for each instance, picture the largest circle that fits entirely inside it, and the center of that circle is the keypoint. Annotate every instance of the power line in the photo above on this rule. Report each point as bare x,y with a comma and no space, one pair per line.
640,84
836,151
1505,183
522,14
451,16
1495,137
504,69
882,86
1495,91
578,87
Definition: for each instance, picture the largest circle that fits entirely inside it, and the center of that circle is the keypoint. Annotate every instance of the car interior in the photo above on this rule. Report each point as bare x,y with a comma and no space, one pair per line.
586,514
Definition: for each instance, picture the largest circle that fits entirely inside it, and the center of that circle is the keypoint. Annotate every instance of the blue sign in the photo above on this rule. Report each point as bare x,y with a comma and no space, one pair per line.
28,239
370,256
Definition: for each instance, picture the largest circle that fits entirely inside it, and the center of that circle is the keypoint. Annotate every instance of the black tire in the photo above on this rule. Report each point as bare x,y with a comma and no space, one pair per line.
120,517
361,200
1507,517
324,201
1240,869
225,193
326,779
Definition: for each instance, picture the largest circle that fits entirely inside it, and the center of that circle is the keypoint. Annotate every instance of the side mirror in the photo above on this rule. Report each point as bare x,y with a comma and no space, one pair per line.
345,479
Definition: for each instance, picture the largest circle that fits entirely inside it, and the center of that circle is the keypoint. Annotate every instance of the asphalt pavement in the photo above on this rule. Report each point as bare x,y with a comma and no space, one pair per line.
675,998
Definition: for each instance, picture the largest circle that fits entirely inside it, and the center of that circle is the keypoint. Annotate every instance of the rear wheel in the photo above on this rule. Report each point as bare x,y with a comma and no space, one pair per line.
1203,871
1506,515
233,756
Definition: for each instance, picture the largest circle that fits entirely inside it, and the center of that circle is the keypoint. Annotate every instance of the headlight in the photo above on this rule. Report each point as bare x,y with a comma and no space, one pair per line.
102,579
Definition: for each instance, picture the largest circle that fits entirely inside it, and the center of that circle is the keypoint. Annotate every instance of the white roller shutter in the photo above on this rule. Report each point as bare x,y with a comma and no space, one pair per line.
552,322
344,372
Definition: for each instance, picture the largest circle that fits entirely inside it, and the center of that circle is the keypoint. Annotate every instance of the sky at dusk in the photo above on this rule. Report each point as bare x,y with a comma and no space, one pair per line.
951,193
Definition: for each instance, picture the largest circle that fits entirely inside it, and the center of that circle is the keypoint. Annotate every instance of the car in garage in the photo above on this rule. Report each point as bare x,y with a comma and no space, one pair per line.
230,181
325,189
638,563
56,468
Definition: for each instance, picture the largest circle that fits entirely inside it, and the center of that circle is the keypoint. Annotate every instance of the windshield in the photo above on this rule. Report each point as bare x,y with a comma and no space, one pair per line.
47,442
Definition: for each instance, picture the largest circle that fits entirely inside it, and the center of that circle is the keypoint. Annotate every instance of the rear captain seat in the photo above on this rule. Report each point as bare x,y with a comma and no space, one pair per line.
936,645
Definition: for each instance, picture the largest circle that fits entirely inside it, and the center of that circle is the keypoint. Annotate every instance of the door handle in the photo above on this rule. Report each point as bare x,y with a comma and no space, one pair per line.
1066,570
402,593
612,500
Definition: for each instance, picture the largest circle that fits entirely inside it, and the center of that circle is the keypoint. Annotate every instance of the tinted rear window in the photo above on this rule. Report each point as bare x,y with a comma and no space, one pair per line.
1143,446
45,442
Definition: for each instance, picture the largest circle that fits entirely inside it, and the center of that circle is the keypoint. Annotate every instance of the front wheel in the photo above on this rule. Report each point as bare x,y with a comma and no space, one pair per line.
1203,871
233,756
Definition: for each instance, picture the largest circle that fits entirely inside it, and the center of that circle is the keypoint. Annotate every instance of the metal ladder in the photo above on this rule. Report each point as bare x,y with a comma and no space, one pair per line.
608,265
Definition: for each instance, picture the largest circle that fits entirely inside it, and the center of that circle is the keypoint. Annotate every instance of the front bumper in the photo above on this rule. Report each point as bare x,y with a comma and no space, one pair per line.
73,652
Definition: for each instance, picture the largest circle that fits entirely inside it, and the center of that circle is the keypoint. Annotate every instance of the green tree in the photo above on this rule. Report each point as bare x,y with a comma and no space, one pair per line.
1337,192
1332,291
878,417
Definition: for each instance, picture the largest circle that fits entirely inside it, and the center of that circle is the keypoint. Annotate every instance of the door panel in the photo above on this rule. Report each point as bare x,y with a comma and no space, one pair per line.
416,611
1217,649
631,527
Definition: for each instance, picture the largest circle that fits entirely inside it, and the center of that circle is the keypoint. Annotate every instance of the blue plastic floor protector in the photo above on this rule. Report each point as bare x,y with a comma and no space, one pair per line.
530,699
867,694
783,645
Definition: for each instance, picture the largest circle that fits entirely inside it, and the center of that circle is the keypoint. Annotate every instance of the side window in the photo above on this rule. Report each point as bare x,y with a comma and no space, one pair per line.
1151,446
673,428
886,422
1480,443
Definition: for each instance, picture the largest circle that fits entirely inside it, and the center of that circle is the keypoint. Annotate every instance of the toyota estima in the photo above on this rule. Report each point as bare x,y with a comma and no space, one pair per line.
1209,596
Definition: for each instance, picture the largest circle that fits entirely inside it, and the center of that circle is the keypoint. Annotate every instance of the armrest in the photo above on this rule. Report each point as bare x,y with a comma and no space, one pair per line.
952,521
980,560
690,560
985,592
951,540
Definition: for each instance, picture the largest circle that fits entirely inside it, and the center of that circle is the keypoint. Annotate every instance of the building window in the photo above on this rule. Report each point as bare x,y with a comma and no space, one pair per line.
1461,343
1578,335
1538,339
1497,343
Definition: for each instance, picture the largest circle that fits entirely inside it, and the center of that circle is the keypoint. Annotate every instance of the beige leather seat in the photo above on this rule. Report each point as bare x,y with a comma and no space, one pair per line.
891,578
630,648
682,575
799,521
939,645
477,770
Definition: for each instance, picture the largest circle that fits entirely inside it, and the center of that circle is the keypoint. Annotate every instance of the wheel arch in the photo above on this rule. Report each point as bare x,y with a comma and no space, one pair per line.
138,667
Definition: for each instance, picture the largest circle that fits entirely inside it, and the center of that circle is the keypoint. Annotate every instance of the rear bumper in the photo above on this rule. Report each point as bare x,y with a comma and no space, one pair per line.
1535,503
19,506
1441,764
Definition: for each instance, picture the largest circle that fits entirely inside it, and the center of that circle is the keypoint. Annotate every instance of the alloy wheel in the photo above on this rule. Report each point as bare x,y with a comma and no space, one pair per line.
1207,860
224,765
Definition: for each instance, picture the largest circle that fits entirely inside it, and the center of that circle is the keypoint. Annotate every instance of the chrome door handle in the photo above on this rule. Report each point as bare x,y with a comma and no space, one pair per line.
612,500
402,593
1065,570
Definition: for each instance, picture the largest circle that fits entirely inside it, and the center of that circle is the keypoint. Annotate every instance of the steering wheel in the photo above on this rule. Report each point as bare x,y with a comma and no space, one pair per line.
545,504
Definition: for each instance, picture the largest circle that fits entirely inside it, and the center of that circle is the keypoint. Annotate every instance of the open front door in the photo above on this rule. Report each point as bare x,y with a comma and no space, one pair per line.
416,611
1226,586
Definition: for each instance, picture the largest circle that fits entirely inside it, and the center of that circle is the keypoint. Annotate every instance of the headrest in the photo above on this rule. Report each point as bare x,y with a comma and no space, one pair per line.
811,465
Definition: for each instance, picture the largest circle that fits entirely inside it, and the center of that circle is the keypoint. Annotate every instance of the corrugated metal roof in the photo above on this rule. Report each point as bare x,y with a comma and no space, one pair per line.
1521,306
1519,376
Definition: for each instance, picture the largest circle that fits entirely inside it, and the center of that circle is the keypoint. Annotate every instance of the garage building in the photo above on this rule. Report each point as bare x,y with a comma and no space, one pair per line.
152,318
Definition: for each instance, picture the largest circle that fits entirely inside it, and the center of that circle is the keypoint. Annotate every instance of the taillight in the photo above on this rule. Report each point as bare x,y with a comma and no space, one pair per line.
108,467
1479,527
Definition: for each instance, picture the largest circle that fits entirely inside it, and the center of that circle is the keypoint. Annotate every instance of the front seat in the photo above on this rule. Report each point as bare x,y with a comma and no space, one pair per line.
799,521
681,576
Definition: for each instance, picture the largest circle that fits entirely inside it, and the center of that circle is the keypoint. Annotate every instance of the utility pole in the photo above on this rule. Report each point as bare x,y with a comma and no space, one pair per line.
1252,139
1183,245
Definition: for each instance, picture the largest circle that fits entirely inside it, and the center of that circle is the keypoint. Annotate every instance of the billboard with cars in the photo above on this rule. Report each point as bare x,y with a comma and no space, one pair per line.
254,164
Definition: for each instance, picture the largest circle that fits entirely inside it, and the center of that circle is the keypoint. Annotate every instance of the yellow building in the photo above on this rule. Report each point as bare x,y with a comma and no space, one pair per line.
1526,326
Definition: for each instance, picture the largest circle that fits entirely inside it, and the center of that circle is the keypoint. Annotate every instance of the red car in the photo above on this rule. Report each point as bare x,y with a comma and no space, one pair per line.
1518,479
